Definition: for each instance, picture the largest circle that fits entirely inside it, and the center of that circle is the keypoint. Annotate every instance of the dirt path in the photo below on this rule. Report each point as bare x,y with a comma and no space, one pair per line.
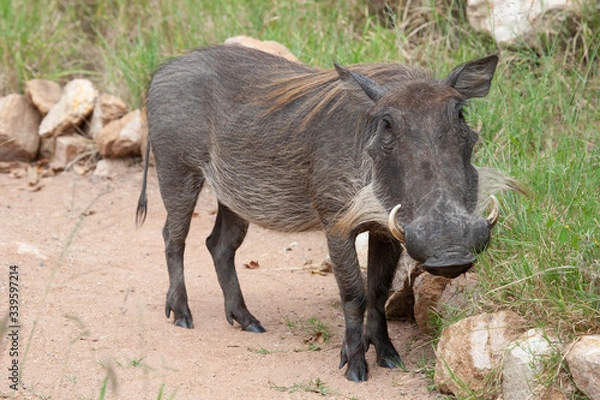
91,305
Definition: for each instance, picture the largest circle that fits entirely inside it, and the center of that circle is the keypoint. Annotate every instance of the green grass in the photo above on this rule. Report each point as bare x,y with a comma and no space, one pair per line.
313,386
543,129
318,329
540,123
118,43
136,362
314,331
262,350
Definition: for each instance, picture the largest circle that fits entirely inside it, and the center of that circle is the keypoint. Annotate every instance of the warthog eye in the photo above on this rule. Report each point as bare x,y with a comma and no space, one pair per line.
461,111
387,122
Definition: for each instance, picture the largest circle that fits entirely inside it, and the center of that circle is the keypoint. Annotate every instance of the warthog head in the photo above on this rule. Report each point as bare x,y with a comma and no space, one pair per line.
422,174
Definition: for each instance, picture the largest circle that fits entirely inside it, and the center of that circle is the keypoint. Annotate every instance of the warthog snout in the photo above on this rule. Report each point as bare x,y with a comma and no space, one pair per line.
447,248
445,244
450,264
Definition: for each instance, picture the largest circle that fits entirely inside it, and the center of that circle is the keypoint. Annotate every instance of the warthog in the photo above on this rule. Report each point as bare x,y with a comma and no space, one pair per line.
379,148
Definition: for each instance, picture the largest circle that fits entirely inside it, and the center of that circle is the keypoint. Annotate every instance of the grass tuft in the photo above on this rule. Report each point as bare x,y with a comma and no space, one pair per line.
312,386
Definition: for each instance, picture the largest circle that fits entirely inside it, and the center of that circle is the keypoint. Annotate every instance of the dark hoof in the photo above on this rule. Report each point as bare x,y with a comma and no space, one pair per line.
184,322
255,327
357,365
358,374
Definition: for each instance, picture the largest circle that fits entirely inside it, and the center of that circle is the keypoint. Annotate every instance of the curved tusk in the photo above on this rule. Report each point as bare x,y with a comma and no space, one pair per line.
492,218
397,230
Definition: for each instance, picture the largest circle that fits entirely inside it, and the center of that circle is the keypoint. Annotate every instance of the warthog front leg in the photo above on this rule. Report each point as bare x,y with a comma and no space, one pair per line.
350,283
384,253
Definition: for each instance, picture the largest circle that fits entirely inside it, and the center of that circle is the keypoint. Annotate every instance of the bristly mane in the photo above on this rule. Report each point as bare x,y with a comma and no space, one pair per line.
323,91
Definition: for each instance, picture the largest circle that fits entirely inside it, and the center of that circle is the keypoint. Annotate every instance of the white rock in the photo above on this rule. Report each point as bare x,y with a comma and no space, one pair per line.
523,364
75,104
512,21
19,120
583,359
471,349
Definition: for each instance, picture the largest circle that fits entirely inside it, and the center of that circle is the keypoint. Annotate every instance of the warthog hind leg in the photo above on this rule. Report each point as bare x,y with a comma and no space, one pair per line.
227,236
179,201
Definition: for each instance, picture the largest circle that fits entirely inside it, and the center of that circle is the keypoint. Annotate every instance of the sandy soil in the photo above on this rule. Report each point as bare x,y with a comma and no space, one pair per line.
91,305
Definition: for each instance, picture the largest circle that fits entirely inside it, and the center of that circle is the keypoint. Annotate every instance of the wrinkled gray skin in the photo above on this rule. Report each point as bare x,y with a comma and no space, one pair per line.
293,148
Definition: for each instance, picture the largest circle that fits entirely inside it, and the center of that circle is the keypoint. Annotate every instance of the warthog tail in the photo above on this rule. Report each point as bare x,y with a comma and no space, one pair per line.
142,208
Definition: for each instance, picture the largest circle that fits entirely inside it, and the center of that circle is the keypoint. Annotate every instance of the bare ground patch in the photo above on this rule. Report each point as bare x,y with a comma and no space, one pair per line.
92,291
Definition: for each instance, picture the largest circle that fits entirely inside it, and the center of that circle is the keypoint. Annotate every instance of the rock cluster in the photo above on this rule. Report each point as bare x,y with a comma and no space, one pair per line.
491,355
64,123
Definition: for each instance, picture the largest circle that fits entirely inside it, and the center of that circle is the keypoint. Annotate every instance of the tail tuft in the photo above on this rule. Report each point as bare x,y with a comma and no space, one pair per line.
142,210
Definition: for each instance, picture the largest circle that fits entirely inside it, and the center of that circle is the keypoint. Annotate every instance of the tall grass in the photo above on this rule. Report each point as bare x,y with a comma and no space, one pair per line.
540,122
543,128
118,43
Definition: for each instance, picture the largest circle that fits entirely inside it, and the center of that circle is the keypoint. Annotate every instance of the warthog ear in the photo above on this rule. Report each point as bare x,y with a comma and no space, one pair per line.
474,78
372,89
